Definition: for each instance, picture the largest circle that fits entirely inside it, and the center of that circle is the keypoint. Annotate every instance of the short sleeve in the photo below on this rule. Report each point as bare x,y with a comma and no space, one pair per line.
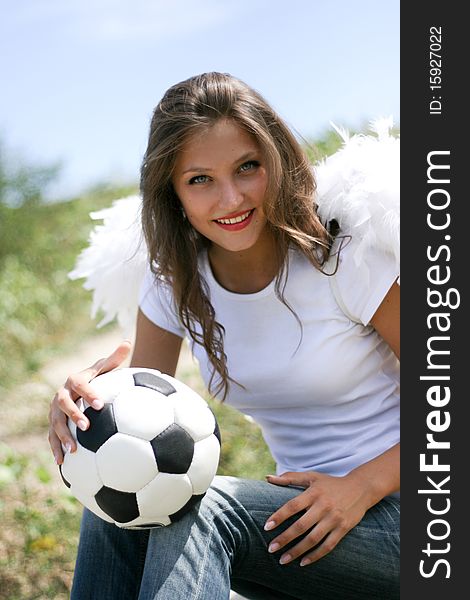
363,280
157,302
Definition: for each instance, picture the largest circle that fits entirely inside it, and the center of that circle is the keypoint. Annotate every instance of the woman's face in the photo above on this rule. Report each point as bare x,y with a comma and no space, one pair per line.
220,178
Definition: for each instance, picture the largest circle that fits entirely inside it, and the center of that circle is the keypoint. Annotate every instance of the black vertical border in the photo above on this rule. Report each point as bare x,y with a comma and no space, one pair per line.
424,131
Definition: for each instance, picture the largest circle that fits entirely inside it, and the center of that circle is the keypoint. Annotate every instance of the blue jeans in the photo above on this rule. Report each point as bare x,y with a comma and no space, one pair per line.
221,545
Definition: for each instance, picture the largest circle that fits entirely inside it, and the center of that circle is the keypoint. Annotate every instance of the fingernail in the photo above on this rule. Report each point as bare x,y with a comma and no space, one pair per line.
68,447
273,547
285,558
82,424
97,404
304,562
269,525
56,458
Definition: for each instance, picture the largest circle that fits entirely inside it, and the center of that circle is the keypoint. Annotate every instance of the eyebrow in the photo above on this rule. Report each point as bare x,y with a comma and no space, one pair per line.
250,154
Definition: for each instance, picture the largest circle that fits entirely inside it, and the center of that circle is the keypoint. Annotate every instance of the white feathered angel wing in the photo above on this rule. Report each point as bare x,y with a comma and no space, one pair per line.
358,186
114,262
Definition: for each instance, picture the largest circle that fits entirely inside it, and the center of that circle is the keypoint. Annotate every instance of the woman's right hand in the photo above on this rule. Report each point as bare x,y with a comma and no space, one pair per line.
64,404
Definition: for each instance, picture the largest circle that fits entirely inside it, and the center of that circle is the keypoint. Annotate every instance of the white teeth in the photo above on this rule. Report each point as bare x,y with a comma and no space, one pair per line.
238,219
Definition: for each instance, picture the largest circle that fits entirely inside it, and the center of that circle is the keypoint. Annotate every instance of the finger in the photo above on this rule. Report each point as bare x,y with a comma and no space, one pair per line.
290,508
79,384
330,542
291,478
313,538
62,407
56,447
63,403
298,528
283,479
62,431
114,359
305,522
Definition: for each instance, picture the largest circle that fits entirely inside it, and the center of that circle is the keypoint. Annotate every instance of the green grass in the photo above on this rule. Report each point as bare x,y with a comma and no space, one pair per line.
39,528
41,311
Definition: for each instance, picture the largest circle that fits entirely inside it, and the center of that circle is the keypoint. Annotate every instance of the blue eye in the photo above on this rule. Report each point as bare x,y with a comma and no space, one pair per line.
198,179
248,166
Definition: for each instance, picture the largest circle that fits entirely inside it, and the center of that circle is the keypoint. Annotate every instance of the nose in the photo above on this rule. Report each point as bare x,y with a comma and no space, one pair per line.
230,196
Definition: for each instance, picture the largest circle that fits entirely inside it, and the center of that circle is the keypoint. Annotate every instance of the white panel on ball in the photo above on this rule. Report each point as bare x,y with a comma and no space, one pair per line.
184,391
165,495
130,405
80,469
109,385
204,464
90,503
198,421
126,463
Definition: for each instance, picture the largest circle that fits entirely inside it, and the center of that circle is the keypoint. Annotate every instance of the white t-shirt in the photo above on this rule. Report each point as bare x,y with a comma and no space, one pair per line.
327,397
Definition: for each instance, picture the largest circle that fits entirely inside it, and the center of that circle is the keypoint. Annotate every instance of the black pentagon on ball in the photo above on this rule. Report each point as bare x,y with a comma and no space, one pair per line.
193,501
216,428
102,427
120,506
173,449
149,380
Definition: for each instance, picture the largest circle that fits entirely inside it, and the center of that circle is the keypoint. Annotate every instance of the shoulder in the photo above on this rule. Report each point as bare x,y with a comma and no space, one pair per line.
157,302
363,277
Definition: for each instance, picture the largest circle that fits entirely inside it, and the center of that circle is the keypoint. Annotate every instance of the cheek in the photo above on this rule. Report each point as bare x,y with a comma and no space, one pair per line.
192,206
193,217
262,186
197,213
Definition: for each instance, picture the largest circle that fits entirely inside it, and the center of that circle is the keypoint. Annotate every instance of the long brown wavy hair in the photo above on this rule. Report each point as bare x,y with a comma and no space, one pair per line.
187,108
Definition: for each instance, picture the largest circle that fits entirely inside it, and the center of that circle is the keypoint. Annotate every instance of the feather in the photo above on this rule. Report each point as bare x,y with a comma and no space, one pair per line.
114,262
358,186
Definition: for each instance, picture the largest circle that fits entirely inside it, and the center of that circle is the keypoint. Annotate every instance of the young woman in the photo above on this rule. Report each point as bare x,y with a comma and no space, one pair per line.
241,264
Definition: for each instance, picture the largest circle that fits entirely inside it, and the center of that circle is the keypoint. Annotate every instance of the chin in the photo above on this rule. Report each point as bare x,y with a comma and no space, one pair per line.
234,243
234,247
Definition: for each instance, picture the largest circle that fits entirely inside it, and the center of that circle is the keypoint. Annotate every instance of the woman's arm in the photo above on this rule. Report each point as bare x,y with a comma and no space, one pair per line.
334,505
154,348
386,319
381,476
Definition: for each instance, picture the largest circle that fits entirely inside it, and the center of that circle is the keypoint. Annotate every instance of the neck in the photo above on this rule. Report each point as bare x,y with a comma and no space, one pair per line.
248,271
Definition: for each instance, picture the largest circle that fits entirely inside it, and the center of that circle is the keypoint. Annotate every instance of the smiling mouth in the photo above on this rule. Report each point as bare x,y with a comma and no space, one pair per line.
237,219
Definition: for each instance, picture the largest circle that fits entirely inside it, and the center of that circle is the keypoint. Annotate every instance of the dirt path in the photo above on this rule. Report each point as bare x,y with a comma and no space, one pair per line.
55,372
24,413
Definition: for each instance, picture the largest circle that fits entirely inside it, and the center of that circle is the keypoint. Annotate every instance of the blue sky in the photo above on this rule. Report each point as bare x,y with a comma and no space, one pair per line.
80,78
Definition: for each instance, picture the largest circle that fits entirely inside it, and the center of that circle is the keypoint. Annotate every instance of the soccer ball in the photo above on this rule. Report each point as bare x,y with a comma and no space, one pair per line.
150,453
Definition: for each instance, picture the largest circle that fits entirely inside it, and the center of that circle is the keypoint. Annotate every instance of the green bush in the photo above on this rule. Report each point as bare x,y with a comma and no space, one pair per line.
41,310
